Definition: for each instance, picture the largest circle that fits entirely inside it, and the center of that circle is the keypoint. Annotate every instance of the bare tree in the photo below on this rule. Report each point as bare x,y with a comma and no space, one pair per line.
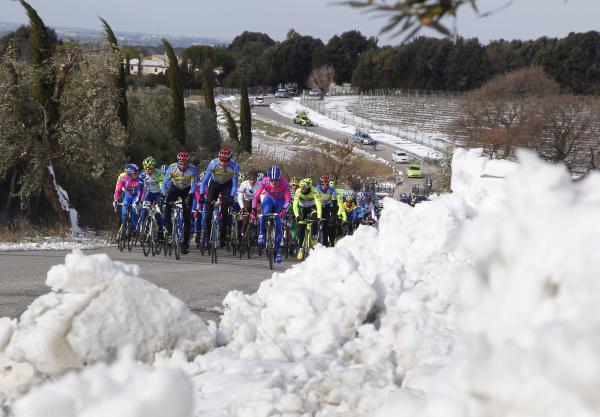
495,114
563,128
321,79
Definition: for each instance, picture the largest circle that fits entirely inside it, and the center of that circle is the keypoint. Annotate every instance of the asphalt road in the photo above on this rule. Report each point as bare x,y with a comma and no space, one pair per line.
200,284
383,150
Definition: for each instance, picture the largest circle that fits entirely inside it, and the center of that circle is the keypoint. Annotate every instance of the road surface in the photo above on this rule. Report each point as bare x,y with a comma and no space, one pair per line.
383,150
200,284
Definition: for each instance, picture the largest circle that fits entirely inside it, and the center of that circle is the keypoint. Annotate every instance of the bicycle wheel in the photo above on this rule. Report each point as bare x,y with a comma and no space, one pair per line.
146,240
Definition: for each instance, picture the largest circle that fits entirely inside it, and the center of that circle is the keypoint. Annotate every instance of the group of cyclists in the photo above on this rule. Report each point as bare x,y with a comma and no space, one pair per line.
254,195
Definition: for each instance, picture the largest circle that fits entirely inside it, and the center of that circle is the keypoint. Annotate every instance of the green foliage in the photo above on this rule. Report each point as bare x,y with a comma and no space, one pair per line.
342,52
291,60
41,54
19,42
120,80
245,118
246,51
176,86
208,90
202,130
232,129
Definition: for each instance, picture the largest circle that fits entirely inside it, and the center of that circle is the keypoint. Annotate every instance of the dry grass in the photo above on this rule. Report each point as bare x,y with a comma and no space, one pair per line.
20,229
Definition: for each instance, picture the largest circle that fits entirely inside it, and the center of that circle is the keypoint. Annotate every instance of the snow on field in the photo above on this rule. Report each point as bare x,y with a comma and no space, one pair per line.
482,302
54,243
289,108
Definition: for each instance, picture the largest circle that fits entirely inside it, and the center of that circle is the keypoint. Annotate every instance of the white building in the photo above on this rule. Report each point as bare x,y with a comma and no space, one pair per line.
154,64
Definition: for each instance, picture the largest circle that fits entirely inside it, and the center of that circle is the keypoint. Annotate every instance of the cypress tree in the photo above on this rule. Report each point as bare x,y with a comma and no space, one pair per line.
245,118
119,79
175,81
208,90
41,54
232,129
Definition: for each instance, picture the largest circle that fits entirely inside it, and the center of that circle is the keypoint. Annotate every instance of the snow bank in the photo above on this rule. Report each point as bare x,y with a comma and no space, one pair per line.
124,389
478,303
528,324
96,306
478,180
53,243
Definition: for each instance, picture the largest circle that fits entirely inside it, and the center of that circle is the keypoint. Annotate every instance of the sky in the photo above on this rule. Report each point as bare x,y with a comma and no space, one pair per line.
224,19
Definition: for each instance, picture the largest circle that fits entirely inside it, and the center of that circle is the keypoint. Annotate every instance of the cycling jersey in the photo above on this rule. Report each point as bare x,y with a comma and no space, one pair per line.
246,192
131,187
328,196
310,199
152,183
180,179
215,172
279,190
363,210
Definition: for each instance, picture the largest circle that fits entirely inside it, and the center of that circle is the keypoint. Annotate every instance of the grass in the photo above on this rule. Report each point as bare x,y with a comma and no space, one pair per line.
22,230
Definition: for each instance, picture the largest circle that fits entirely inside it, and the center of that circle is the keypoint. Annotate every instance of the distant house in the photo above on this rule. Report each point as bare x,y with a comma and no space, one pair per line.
154,64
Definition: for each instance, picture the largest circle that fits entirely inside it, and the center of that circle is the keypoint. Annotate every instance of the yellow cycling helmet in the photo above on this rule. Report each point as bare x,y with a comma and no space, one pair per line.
306,183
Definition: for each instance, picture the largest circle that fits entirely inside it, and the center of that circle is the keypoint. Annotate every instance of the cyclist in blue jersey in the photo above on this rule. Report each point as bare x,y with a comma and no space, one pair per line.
180,182
221,177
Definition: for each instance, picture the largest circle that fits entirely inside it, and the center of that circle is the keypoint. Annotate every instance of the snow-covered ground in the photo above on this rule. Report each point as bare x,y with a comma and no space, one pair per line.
55,243
289,108
482,302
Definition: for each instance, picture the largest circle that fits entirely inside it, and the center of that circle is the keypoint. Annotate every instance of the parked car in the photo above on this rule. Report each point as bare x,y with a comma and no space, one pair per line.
302,119
314,93
259,101
363,138
414,171
281,93
400,157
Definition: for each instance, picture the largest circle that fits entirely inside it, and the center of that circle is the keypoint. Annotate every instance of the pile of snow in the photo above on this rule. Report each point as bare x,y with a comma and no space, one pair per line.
96,307
124,389
477,303
528,331
54,243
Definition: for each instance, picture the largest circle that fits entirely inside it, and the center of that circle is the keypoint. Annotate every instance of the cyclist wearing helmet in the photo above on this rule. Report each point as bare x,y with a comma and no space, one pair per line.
129,183
348,207
246,192
305,200
180,182
294,182
329,207
221,177
277,199
363,210
151,180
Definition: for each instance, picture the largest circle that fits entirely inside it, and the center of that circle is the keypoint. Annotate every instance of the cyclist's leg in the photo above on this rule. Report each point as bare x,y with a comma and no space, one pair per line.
127,201
187,215
304,213
267,205
248,208
211,197
225,190
279,225
169,199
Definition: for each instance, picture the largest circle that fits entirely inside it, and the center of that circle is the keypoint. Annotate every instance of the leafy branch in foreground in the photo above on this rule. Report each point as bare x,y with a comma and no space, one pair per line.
410,16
